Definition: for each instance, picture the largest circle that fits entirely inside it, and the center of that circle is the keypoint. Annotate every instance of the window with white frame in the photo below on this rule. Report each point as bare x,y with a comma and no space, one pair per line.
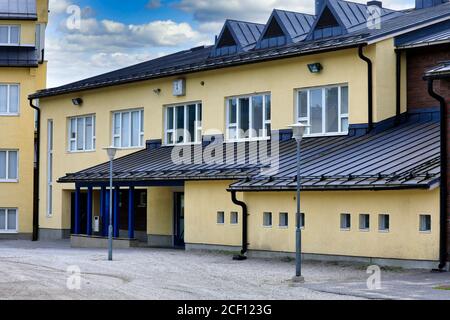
425,223
183,124
346,223
220,217
267,219
9,99
128,129
49,167
82,133
284,220
8,220
324,109
383,223
10,35
364,222
248,117
234,217
9,165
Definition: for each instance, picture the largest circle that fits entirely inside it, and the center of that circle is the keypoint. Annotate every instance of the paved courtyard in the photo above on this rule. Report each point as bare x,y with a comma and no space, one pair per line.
40,271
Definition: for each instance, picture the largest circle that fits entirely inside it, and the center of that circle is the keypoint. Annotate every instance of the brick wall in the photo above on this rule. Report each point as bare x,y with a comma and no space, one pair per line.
418,61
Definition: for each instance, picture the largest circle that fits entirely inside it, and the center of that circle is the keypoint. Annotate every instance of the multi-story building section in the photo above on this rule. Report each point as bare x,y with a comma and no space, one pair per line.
190,128
22,71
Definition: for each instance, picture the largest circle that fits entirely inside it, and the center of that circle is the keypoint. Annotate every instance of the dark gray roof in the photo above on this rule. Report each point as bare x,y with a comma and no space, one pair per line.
296,24
406,156
431,39
199,59
440,71
18,9
14,56
247,33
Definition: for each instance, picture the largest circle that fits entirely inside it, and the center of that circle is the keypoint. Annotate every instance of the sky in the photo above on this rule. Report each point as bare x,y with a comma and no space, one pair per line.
112,34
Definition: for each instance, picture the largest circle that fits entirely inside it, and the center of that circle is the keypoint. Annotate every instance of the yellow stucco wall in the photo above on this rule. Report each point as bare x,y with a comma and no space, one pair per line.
160,211
322,233
18,131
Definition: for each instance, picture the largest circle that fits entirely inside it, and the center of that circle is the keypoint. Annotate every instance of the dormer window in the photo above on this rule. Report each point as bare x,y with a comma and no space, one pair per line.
274,36
226,44
327,26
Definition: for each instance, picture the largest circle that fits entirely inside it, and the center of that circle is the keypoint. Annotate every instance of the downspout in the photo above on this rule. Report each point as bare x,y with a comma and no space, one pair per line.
243,205
36,173
398,85
443,188
370,86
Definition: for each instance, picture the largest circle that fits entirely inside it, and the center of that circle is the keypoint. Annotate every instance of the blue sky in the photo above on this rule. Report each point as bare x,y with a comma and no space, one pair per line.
117,33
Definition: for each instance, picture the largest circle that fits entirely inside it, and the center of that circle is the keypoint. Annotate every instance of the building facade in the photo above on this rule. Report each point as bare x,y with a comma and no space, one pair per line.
22,72
191,129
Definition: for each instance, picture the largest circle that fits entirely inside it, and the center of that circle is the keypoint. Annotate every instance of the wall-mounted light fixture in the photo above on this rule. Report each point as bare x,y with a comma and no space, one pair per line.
157,91
315,67
77,102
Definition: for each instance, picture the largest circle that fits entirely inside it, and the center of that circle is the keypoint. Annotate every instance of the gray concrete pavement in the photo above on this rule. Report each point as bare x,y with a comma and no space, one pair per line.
40,271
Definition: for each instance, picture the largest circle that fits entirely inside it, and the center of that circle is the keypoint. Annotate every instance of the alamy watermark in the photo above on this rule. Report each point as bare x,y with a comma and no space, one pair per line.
374,280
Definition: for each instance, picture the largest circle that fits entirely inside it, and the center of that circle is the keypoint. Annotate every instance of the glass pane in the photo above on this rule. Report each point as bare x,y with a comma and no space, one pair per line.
232,111
12,219
12,165
14,37
116,123
3,165
135,130
268,130
4,34
191,123
344,100
180,124
89,133
170,138
2,219
344,125
268,108
142,121
3,98
117,142
13,98
303,104
200,111
50,135
257,116
80,134
244,111
125,130
170,118
316,111
332,110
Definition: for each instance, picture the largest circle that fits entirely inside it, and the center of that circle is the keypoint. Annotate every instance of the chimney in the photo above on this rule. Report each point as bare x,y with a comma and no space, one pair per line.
422,4
319,5
379,4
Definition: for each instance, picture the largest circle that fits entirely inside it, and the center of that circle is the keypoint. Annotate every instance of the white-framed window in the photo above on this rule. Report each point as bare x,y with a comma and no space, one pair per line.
383,222
284,220
302,220
49,168
9,99
324,109
82,133
267,219
220,217
346,221
10,35
128,129
9,165
425,223
234,217
183,123
248,117
364,222
8,220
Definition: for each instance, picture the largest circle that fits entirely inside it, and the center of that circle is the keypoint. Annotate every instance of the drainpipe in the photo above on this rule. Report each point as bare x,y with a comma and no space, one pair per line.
36,173
370,85
243,205
398,80
443,189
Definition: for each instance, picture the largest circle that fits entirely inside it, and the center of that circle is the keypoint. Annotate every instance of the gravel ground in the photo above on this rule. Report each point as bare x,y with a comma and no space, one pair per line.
39,271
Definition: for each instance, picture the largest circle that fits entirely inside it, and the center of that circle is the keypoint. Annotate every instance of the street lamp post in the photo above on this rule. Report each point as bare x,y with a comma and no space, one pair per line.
298,131
111,151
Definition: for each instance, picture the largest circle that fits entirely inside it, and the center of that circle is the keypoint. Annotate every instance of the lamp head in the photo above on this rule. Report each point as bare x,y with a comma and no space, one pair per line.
298,131
111,151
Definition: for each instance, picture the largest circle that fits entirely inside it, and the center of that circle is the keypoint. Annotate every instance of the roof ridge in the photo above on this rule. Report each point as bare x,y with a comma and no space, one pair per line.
242,21
296,12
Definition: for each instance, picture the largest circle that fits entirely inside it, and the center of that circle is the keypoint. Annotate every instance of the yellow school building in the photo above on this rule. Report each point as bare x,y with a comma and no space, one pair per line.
22,72
206,160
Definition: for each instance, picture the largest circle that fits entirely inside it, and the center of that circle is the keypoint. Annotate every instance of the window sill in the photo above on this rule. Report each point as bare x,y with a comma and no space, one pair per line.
283,227
425,232
316,135
130,148
364,230
9,232
12,115
80,151
220,224
9,181
267,227
182,144
247,140
345,230
383,231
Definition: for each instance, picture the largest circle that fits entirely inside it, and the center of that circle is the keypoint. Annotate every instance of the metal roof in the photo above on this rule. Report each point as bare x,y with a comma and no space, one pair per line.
18,10
296,24
199,59
440,71
406,156
246,33
14,56
432,39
